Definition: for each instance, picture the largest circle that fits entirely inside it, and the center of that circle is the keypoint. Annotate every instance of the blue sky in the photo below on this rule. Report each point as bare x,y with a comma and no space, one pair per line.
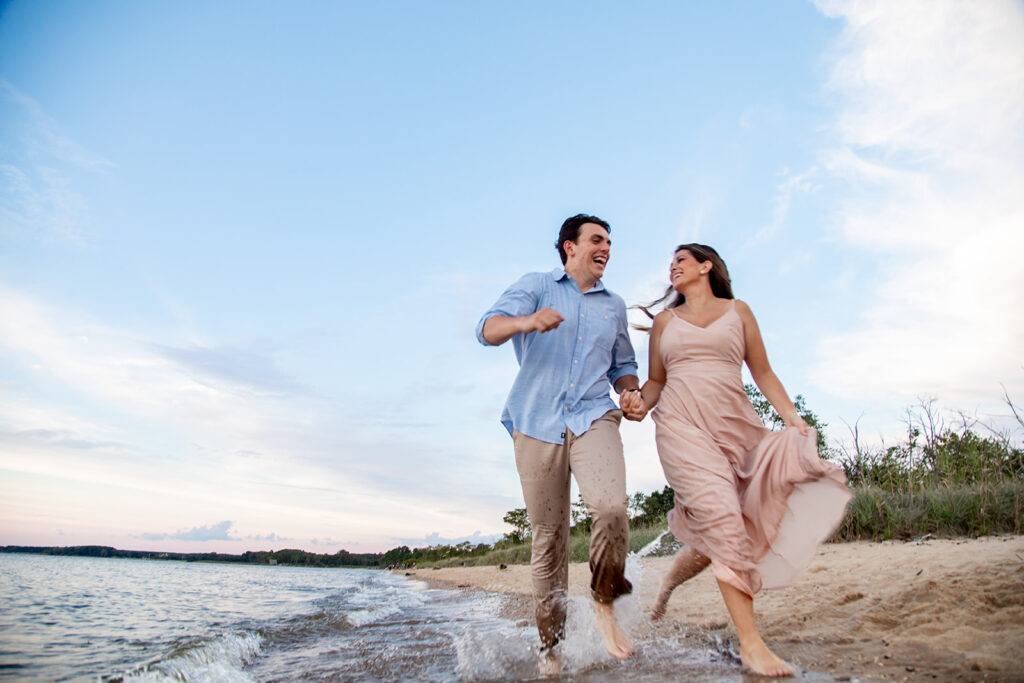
243,248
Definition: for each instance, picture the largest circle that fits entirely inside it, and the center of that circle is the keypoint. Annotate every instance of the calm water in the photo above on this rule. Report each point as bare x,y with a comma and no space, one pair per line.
77,618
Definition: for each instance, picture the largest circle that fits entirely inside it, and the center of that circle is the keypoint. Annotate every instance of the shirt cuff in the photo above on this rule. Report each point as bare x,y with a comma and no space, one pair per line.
480,328
619,373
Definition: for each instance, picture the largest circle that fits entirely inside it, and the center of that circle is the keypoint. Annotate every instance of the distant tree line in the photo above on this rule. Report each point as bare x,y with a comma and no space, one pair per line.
291,557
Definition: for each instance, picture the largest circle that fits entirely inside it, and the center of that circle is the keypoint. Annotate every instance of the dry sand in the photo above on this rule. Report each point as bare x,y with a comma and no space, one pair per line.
927,610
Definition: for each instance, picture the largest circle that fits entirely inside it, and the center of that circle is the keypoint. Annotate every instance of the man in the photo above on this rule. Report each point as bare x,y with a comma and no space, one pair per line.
570,338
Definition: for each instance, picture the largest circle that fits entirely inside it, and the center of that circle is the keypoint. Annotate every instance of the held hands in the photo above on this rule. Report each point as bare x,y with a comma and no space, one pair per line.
632,404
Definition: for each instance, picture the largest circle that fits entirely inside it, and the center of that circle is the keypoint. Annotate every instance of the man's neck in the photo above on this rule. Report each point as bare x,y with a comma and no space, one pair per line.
584,282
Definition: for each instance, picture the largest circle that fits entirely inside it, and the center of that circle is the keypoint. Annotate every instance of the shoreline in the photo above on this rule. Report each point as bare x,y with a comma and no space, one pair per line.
935,609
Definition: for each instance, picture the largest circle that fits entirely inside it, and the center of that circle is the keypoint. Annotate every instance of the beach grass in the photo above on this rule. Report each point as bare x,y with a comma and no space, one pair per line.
977,509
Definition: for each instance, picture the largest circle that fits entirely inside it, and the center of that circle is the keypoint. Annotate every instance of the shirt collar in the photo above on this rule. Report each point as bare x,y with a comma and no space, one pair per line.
559,273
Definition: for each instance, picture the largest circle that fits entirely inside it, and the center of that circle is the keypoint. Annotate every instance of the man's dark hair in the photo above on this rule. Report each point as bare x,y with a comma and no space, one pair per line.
571,231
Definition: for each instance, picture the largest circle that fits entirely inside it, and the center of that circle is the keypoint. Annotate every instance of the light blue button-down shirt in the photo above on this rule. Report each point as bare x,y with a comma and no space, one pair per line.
565,374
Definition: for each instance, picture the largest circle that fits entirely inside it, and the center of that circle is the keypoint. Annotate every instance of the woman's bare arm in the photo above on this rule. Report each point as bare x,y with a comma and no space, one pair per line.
761,370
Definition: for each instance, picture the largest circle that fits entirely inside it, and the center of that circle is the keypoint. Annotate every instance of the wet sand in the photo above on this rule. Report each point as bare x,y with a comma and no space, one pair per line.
915,611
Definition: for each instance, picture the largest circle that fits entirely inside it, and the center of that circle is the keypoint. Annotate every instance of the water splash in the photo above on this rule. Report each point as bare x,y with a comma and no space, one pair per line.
496,655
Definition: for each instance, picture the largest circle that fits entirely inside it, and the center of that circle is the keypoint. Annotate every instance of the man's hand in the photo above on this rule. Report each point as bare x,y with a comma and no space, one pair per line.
632,404
500,328
542,321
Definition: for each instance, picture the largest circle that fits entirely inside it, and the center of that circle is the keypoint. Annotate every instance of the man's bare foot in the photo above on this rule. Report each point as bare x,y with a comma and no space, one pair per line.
759,659
616,641
550,664
659,606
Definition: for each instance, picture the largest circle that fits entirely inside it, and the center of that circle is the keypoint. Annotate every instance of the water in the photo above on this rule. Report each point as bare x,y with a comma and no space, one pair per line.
80,618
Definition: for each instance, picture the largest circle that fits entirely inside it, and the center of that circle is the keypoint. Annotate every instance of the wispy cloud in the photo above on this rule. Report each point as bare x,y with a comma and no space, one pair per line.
37,192
791,184
232,369
930,163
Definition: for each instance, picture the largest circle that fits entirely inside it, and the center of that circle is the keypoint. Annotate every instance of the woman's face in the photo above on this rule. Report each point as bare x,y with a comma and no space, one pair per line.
685,269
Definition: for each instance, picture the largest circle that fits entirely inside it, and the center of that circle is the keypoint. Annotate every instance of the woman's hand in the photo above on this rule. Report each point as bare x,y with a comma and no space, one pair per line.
632,405
794,420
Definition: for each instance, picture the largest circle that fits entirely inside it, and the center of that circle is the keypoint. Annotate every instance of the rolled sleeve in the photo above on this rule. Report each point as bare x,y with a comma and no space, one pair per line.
519,299
623,358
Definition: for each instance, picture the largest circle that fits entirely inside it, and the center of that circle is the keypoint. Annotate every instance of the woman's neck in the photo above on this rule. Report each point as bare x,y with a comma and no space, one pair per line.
699,296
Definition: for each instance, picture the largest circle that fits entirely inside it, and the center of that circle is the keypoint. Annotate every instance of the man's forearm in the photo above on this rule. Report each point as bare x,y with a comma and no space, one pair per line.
626,382
500,328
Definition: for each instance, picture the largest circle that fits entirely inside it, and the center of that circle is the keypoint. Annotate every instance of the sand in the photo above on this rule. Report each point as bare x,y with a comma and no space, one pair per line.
925,610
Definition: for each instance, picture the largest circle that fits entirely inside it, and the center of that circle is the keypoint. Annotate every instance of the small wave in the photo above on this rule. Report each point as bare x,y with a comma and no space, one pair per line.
219,659
369,615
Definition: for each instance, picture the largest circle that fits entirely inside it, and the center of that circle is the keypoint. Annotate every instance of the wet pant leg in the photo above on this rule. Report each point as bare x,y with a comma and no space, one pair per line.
596,460
544,475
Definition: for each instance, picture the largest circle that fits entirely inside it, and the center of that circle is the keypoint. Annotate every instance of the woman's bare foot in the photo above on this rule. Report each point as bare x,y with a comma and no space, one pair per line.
550,664
616,641
686,565
660,604
759,659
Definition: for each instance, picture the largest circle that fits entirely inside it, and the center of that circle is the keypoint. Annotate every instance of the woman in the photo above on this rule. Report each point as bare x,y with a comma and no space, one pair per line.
753,503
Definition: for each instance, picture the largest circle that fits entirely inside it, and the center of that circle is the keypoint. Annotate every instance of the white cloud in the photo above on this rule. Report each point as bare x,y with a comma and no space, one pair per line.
930,163
208,532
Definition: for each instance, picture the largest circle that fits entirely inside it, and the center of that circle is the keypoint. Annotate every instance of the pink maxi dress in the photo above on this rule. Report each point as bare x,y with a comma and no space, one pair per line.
756,502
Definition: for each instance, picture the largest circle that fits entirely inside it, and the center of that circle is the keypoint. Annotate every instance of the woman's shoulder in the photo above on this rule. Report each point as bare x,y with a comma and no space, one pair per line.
662,318
741,307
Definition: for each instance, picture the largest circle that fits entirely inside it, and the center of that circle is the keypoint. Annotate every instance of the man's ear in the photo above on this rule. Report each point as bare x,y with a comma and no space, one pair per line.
569,247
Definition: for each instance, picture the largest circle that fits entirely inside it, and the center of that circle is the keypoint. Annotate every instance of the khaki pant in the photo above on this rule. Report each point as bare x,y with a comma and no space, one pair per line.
595,459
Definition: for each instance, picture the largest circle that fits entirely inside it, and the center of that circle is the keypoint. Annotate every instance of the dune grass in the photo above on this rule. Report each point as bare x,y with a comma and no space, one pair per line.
946,511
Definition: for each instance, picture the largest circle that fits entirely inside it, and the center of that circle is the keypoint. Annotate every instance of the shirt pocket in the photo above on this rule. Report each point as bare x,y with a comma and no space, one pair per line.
600,340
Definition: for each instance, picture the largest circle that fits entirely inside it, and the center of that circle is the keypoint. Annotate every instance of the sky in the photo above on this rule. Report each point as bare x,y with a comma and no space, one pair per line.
243,248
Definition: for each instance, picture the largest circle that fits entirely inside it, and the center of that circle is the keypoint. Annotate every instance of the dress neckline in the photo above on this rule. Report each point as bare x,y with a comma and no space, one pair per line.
680,318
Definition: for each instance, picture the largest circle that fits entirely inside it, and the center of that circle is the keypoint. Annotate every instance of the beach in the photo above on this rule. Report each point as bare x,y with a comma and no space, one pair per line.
932,609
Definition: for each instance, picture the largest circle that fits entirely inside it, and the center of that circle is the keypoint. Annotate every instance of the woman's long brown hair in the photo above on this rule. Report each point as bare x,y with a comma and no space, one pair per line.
721,283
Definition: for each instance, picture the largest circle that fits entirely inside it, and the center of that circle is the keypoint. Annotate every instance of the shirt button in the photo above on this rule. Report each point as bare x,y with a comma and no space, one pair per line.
571,386
575,362
579,338
581,315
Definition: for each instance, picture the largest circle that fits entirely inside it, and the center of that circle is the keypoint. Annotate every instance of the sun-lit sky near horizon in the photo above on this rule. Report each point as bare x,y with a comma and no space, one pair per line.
243,247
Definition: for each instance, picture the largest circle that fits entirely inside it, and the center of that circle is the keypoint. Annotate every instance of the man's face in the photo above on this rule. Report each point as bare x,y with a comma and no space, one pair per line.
588,255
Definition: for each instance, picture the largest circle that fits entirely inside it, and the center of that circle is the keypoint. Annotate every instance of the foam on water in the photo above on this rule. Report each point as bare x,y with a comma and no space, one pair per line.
219,659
